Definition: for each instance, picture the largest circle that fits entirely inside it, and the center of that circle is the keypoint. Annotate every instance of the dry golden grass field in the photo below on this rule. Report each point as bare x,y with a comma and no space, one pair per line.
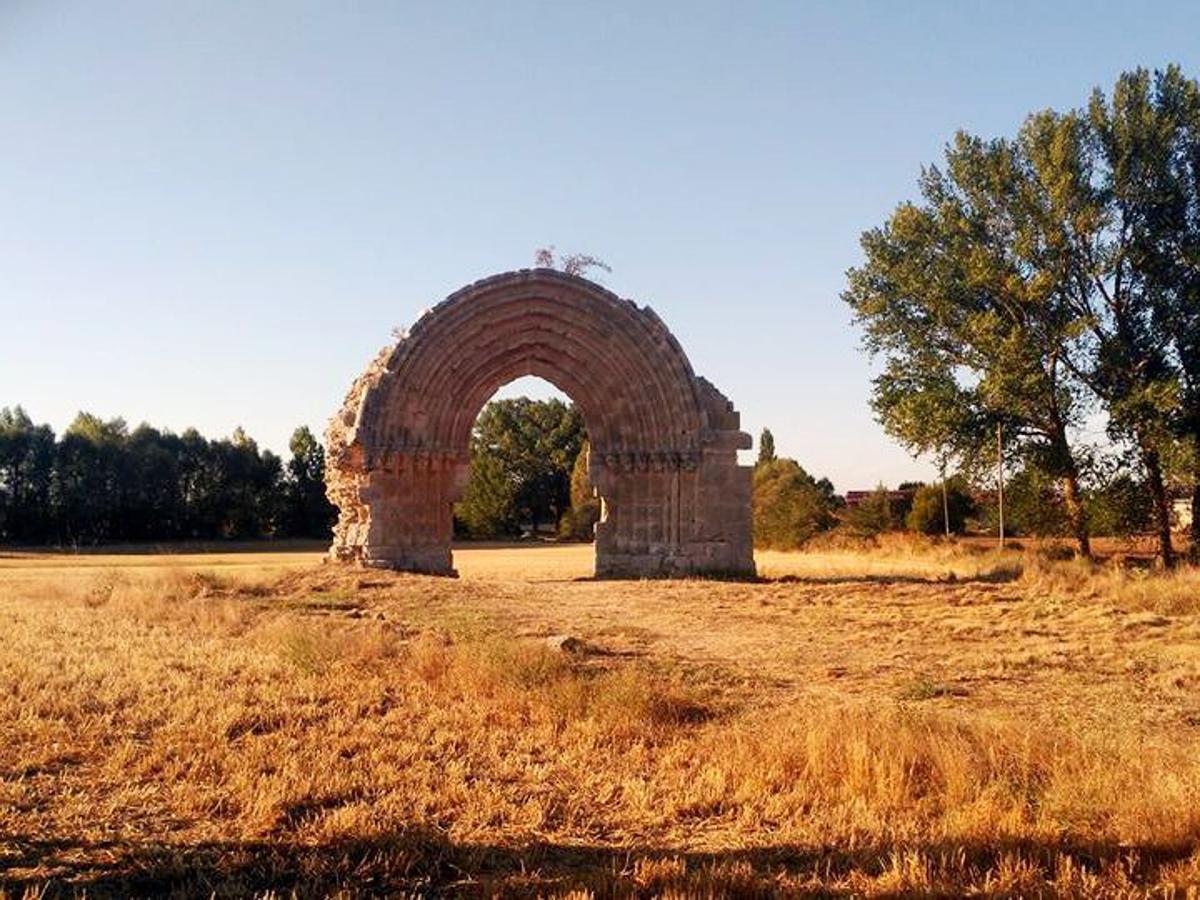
909,720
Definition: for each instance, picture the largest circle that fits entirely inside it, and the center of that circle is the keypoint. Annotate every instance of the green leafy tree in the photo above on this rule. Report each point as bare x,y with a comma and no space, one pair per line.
582,491
930,505
1032,505
152,493
251,484
307,510
874,514
766,447
964,302
579,522
87,490
790,507
489,505
1146,296
1120,507
1046,273
1099,171
26,473
201,486
522,454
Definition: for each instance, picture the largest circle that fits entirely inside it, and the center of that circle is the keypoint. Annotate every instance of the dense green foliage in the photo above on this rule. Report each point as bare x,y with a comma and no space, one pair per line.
766,447
1118,506
306,509
790,506
1043,278
1031,506
874,514
522,455
28,454
579,522
101,482
930,506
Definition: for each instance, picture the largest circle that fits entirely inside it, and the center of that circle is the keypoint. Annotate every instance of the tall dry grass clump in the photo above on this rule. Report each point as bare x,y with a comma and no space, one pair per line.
838,554
1045,570
1137,587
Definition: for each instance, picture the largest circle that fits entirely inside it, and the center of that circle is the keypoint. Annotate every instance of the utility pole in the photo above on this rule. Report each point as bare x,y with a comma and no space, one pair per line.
1000,477
945,501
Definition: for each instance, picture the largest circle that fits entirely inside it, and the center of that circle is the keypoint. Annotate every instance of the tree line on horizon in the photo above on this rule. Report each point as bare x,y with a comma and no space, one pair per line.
100,482
791,507
1042,284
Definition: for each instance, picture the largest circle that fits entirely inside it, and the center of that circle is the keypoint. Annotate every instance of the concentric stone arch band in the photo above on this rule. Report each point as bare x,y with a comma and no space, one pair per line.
664,441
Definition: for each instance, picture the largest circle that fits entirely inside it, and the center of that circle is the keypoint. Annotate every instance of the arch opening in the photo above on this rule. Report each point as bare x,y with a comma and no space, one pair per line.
528,478
663,441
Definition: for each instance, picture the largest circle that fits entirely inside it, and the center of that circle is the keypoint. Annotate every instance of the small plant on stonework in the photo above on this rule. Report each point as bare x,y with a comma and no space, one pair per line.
572,264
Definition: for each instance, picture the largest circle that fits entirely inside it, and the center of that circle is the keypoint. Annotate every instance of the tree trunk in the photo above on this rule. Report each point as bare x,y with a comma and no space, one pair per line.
1162,508
1076,516
945,502
1068,470
945,506
1194,530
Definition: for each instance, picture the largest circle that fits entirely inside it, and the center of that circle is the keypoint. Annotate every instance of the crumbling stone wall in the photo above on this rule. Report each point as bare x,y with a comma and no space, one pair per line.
664,442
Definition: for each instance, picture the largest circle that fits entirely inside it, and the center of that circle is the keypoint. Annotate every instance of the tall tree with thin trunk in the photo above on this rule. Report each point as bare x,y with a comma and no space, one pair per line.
1151,138
957,297
766,447
1098,177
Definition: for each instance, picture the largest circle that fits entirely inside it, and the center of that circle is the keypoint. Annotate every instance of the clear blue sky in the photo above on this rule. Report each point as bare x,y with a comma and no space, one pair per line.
213,213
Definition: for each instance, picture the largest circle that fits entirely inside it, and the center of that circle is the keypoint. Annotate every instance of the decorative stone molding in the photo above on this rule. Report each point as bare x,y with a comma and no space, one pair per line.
664,442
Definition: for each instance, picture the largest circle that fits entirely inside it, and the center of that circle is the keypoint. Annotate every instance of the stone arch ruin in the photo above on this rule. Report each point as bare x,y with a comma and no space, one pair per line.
664,441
